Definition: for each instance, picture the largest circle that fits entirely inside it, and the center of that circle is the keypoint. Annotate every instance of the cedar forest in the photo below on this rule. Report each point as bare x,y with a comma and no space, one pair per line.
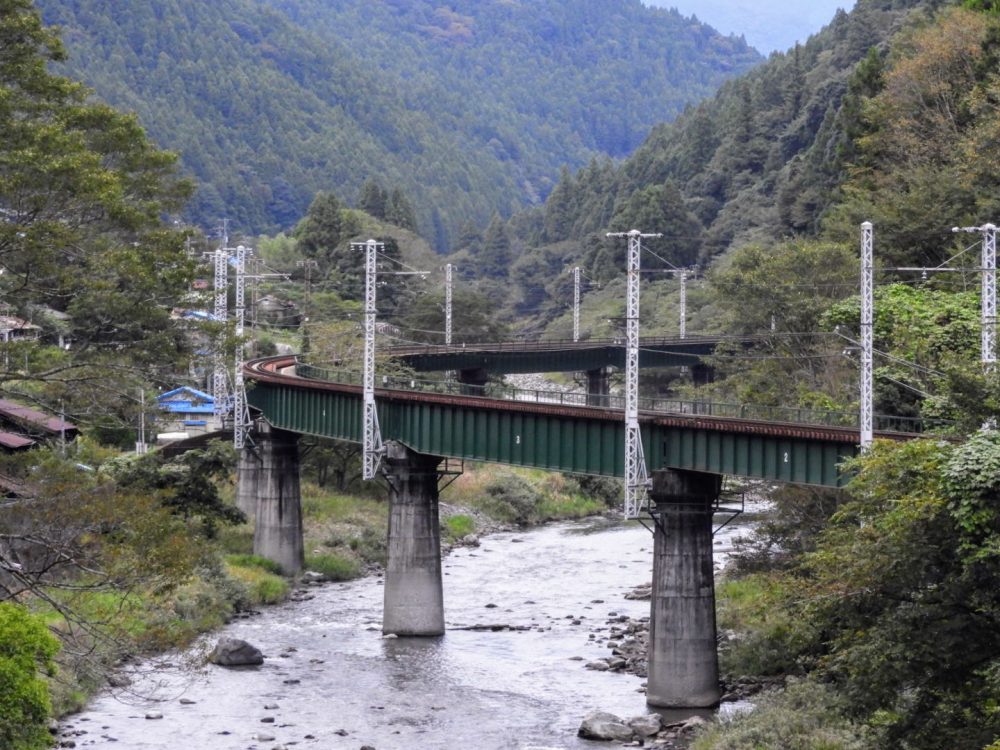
872,614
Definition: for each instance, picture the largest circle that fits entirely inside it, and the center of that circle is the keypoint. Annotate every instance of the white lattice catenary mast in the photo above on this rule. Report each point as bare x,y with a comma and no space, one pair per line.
636,477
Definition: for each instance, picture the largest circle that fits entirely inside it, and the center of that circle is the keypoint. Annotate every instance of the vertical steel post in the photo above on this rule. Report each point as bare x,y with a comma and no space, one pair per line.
447,304
636,478
989,302
220,389
241,412
866,413
684,297
373,448
576,304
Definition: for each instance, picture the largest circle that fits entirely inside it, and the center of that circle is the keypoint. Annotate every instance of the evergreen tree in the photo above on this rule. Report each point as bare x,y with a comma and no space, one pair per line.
373,199
399,211
321,231
495,260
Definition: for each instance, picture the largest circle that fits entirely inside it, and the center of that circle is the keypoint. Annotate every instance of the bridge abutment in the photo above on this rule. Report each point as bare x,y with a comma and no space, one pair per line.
683,667
278,532
414,602
599,386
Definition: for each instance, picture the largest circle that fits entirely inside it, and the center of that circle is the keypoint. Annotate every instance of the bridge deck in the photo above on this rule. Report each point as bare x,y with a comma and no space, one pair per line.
574,439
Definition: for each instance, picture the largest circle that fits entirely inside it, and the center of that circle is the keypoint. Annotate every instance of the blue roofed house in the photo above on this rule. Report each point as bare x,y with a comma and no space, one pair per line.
188,410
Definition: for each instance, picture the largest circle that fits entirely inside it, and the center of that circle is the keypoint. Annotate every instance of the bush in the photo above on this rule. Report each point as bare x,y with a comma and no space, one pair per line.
334,567
512,499
371,546
261,586
26,647
807,715
254,561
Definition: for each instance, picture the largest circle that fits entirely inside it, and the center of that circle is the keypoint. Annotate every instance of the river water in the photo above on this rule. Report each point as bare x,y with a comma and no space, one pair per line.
330,680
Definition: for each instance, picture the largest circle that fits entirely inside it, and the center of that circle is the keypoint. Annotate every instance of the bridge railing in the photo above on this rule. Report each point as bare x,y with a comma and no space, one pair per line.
755,412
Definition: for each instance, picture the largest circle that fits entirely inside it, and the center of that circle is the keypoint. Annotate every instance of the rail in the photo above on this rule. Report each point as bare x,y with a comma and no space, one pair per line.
553,344
649,406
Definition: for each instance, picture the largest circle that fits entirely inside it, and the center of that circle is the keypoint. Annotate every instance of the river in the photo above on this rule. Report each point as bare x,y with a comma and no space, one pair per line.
330,680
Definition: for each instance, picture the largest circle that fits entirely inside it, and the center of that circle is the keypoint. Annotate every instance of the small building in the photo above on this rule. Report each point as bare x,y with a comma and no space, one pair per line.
188,410
13,328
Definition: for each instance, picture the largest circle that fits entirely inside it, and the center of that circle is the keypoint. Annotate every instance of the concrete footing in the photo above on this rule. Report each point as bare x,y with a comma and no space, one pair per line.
683,651
278,533
414,602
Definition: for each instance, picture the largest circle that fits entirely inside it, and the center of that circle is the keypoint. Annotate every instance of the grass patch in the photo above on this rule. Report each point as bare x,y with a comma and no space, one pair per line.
261,586
458,527
335,567
254,561
751,606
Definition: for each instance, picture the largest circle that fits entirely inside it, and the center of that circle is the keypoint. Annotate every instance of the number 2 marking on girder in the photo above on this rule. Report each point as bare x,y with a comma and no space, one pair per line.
786,458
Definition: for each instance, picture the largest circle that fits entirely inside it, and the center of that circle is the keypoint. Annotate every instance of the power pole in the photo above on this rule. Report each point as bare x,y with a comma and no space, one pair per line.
373,448
684,298
447,304
576,304
636,477
988,340
241,411
866,414
220,390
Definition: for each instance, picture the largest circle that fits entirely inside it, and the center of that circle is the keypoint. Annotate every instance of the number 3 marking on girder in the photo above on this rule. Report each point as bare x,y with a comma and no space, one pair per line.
786,458
517,440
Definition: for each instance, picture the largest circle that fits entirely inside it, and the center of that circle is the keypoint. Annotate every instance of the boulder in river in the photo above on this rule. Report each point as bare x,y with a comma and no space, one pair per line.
601,725
233,652
645,726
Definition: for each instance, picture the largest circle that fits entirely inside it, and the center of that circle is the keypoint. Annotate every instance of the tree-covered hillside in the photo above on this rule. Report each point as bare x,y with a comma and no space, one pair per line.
469,107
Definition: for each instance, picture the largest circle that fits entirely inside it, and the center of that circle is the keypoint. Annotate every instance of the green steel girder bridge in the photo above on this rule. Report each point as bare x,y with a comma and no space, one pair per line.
558,356
557,431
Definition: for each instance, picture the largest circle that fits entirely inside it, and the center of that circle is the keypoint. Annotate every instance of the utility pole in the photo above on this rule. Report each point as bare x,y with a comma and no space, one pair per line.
576,304
684,298
241,411
866,414
220,390
636,477
373,447
309,265
988,340
447,303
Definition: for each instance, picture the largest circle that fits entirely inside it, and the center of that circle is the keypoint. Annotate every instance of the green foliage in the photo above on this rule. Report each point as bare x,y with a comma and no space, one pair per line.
807,715
894,605
26,649
82,195
468,109
261,586
334,567
511,498
458,527
254,561
187,484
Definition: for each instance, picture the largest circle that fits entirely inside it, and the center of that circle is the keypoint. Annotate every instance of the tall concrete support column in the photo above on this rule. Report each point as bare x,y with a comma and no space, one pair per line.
599,386
278,534
414,603
683,652
248,480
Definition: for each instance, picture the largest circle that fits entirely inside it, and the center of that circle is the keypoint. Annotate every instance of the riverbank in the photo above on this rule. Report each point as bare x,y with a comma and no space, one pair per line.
344,541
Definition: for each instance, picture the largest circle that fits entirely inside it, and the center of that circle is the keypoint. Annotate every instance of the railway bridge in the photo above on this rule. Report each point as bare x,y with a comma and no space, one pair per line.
688,446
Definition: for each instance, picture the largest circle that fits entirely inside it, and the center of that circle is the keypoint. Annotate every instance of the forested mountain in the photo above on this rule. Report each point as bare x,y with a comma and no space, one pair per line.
469,107
761,160
768,25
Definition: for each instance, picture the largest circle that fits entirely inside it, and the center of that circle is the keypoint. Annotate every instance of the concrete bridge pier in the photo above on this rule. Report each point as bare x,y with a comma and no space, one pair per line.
414,602
278,533
599,386
683,657
248,480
